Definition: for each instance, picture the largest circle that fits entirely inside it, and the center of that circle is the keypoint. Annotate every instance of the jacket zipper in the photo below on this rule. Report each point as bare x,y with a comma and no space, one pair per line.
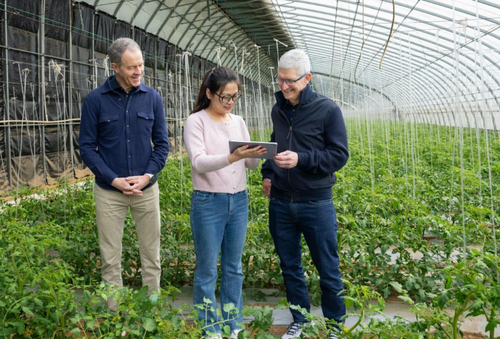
290,137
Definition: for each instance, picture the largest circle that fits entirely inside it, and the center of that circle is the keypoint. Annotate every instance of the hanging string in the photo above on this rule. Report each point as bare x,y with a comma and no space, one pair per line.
494,221
235,53
461,126
390,33
245,96
23,78
218,50
106,66
260,117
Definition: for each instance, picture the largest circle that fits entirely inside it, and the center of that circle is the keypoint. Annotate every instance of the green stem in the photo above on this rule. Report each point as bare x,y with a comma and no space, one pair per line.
7,312
457,315
492,315
361,317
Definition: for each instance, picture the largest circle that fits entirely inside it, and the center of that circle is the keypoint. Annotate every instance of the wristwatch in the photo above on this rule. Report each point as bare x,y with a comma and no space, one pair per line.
151,177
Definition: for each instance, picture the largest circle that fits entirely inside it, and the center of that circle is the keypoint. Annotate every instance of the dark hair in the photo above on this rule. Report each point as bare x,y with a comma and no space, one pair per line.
215,80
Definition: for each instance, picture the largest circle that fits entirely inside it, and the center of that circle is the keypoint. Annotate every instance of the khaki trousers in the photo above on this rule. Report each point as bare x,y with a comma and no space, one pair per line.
111,210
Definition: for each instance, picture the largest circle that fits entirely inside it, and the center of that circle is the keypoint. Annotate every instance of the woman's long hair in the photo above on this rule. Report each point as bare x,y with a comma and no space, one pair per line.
215,80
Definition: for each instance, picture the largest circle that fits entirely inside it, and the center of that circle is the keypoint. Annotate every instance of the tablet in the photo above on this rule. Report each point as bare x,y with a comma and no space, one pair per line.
271,147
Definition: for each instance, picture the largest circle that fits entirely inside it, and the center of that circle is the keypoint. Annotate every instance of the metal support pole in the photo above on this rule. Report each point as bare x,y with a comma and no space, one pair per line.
70,89
92,52
8,145
41,72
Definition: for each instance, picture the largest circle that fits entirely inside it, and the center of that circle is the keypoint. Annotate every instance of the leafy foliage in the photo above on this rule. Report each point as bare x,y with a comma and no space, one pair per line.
417,209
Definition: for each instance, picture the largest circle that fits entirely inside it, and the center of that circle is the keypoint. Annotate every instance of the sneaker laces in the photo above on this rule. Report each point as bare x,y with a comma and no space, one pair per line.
293,328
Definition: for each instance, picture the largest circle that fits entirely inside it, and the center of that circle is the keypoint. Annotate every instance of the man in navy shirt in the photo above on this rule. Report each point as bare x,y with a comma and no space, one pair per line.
124,142
312,145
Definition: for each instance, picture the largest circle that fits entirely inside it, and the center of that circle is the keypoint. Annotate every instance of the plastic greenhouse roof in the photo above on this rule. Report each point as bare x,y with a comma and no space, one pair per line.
429,55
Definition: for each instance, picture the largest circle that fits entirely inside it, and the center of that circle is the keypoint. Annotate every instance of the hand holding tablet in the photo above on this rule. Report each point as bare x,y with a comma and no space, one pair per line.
271,147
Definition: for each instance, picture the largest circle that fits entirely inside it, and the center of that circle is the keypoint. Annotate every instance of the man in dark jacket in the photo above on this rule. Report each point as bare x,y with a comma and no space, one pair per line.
312,145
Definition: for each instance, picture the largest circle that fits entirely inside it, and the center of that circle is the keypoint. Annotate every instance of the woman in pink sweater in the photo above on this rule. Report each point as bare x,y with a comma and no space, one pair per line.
219,204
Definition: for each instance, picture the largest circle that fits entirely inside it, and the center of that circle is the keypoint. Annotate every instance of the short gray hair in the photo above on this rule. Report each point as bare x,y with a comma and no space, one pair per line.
295,58
119,46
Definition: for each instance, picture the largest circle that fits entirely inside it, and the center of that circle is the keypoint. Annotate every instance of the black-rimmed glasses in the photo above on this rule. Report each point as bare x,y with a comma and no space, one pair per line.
225,99
289,82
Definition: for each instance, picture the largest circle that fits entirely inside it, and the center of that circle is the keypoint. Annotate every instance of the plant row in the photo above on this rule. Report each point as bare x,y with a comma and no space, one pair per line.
417,209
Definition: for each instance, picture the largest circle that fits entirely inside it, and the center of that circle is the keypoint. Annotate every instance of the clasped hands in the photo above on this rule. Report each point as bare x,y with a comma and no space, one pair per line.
132,185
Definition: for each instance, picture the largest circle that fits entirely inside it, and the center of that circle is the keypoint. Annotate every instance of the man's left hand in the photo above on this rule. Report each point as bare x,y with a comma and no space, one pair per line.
287,159
138,182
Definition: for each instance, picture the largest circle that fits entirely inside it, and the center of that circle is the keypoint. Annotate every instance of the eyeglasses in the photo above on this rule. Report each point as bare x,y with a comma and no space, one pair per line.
289,82
225,99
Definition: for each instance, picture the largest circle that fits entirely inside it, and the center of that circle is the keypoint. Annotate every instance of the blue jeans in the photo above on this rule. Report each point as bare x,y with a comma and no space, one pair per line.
318,222
219,223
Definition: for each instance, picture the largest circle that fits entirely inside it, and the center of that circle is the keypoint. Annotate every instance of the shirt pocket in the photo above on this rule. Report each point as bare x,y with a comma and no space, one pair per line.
108,125
145,121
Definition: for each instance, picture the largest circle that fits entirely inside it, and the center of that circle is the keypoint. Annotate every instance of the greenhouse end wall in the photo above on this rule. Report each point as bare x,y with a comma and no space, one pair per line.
52,58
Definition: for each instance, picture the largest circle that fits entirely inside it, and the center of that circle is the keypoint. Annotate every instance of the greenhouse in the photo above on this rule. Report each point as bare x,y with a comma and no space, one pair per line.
417,200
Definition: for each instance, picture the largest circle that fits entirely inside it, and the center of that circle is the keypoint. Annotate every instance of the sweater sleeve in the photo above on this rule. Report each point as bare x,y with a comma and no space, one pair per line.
196,147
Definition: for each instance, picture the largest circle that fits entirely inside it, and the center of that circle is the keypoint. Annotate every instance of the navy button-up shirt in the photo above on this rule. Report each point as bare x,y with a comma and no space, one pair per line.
123,134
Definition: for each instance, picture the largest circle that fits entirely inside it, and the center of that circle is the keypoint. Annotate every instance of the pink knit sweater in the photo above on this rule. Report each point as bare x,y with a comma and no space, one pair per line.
207,144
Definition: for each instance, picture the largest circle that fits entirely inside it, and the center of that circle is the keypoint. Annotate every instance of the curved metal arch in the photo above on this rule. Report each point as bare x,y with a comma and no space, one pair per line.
471,60
137,11
426,74
160,3
229,38
403,25
445,18
432,93
264,64
425,87
417,10
467,66
172,11
182,17
192,24
395,63
117,9
265,61
199,28
211,28
329,76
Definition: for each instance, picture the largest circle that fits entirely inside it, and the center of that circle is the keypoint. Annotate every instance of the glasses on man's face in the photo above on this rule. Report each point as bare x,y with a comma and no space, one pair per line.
226,98
289,82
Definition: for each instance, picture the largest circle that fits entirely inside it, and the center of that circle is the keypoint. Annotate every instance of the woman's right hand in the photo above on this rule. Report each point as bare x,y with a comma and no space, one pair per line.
246,152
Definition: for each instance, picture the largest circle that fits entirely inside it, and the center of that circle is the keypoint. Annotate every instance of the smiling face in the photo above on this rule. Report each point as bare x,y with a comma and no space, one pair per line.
216,106
129,71
292,92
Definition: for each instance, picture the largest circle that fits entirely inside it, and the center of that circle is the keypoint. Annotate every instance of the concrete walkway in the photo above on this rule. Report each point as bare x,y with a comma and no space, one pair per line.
394,307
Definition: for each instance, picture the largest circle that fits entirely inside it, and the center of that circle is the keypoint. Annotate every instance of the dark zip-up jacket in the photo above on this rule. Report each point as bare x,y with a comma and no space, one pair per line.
316,132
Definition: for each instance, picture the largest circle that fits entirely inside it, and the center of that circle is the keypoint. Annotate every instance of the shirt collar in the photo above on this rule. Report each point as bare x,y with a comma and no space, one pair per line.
305,95
113,85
